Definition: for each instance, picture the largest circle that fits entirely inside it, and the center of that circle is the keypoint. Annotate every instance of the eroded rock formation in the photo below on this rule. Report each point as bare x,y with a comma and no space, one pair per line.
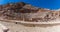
27,12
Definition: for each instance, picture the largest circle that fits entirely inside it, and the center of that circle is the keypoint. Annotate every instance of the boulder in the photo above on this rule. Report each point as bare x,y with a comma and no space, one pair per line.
3,28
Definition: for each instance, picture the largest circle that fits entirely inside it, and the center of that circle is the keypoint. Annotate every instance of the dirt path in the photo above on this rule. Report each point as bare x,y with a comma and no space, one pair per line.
21,28
17,27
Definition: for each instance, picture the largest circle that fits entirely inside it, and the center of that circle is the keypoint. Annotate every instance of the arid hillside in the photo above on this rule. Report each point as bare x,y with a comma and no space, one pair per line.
27,12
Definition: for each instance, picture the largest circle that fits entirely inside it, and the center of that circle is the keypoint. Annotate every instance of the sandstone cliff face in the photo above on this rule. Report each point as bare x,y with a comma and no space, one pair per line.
27,12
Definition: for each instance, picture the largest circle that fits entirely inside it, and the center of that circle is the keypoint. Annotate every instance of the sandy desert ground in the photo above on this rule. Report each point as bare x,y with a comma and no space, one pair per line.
13,27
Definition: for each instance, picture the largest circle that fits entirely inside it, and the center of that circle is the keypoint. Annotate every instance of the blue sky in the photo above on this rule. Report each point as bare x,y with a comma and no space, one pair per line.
50,4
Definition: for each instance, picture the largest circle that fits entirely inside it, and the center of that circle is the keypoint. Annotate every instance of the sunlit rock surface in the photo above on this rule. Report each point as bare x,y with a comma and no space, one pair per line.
3,28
